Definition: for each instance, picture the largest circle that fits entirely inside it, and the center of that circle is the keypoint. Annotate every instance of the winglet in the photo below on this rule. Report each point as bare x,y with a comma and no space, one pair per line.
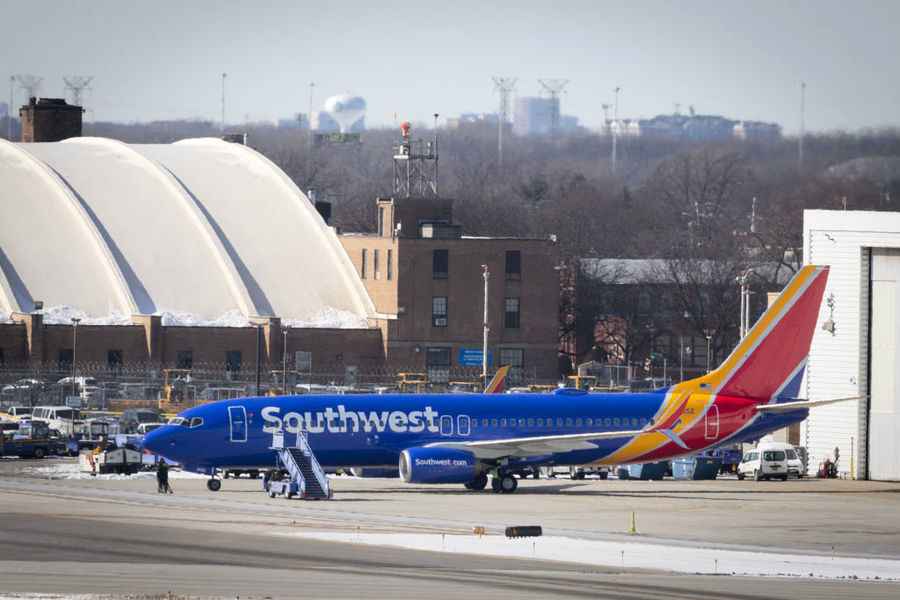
498,382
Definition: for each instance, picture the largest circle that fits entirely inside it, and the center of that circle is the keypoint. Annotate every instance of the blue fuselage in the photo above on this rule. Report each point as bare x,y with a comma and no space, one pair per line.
372,430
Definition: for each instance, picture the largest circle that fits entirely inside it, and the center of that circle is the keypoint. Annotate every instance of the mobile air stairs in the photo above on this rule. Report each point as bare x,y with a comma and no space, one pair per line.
298,473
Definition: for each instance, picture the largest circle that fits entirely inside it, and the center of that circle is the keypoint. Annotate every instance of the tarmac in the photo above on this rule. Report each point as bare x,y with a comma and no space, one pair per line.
120,538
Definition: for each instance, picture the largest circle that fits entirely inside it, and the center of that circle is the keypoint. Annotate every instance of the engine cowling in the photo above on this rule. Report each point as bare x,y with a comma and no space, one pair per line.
437,465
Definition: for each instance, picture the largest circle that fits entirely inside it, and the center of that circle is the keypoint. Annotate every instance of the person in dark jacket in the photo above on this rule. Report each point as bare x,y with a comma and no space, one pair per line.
162,478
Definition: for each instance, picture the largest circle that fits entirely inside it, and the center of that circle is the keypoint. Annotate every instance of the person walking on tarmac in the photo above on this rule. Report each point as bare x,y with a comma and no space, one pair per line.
162,478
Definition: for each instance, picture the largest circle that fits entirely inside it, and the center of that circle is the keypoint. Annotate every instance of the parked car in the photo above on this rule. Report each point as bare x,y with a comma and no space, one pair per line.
19,411
770,460
132,417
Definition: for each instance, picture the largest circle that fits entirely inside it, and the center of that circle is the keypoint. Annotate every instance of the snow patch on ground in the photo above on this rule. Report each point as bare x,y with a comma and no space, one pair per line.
73,471
632,555
326,318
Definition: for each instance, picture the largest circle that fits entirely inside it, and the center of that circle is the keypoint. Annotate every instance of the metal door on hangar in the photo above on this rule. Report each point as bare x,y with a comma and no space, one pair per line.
884,334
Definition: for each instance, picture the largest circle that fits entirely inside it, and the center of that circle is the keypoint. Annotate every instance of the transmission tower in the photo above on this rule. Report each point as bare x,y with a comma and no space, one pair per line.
554,88
76,85
504,86
30,84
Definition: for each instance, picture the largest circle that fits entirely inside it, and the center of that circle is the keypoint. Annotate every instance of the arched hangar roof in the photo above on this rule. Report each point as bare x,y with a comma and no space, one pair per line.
200,228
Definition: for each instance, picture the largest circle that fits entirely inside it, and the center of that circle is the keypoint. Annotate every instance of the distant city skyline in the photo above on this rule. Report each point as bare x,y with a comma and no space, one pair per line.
741,60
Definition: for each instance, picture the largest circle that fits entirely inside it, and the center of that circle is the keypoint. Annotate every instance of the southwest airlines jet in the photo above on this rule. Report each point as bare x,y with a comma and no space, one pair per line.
471,438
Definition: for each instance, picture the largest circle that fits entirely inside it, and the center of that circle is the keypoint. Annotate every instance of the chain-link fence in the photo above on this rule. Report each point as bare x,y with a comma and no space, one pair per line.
104,387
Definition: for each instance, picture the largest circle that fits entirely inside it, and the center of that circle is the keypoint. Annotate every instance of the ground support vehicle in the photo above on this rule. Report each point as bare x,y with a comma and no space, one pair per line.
114,460
771,460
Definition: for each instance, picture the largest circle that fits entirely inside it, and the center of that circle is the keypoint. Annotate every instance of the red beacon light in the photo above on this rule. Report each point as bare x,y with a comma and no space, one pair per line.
404,129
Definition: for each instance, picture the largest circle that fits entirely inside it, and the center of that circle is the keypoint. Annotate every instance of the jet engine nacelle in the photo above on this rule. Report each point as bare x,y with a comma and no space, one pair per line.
437,465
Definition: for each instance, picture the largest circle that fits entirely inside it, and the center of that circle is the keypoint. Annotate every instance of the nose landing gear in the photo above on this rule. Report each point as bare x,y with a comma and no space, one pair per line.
213,485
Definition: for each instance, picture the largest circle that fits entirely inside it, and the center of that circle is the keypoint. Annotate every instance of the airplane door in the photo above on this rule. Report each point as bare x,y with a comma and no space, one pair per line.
237,423
712,422
446,425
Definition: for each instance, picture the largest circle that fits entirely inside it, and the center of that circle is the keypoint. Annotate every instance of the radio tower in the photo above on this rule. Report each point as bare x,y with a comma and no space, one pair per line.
504,86
30,84
554,88
76,86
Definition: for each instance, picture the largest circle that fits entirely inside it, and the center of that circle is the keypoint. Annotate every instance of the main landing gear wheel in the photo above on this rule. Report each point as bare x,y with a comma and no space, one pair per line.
479,483
508,484
213,485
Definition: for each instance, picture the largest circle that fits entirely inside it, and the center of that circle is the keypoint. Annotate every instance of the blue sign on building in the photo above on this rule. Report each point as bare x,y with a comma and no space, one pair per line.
471,357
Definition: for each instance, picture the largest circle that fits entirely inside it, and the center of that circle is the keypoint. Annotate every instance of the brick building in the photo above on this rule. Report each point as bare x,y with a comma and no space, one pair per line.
50,120
425,278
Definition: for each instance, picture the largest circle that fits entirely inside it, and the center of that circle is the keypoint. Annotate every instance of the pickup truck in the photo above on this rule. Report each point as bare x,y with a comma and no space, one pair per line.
33,441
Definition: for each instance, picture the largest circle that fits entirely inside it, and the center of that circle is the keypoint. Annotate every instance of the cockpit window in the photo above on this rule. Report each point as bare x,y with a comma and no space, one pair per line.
178,421
196,422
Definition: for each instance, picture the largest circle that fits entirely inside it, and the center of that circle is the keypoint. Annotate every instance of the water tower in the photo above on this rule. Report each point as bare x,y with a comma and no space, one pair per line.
346,110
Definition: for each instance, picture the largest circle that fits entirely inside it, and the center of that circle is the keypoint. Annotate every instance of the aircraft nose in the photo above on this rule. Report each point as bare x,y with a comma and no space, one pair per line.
161,440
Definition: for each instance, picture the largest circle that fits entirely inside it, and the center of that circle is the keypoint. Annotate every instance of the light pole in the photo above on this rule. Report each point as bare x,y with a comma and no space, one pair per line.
75,322
12,87
258,366
284,332
615,130
224,75
743,279
486,274
708,333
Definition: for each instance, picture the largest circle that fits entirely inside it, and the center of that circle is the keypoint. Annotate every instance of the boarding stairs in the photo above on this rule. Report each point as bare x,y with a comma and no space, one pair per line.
307,478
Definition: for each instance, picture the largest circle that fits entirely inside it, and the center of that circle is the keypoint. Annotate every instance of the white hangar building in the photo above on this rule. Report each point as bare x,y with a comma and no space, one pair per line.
202,228
856,346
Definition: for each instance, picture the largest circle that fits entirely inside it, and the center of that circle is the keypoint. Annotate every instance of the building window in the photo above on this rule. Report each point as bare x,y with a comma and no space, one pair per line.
513,265
64,358
511,312
362,268
390,264
439,311
440,264
184,359
233,361
376,268
114,359
437,363
381,221
515,358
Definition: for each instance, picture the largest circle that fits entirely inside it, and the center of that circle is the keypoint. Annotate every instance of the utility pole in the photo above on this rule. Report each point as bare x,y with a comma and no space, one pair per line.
615,133
224,75
554,88
802,125
505,87
309,141
486,274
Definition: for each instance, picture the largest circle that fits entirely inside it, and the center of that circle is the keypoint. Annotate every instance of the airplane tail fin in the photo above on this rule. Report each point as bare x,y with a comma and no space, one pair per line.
498,382
768,363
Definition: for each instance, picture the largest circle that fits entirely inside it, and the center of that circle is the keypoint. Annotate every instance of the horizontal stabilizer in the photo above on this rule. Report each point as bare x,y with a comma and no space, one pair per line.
800,404
673,437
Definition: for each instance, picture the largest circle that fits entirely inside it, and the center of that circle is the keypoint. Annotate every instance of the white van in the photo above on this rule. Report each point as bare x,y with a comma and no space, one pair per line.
771,460
60,418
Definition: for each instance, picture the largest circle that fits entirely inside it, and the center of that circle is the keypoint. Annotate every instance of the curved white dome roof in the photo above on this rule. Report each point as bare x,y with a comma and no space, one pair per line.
202,227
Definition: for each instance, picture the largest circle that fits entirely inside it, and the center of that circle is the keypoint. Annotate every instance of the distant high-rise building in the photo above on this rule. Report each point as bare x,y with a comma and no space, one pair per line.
535,116
4,110
704,128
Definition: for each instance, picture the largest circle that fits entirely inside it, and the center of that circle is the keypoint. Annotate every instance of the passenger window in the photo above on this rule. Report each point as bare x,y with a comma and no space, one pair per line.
616,421
578,422
531,422
502,422
568,421
559,422
607,422
634,422
589,421
540,421
493,422
521,422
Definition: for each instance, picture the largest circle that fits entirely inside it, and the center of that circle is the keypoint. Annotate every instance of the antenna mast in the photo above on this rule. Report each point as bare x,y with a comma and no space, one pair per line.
76,85
504,86
554,88
30,84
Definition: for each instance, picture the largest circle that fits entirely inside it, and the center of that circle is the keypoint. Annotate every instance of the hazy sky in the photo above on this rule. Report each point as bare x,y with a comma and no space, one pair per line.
164,59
